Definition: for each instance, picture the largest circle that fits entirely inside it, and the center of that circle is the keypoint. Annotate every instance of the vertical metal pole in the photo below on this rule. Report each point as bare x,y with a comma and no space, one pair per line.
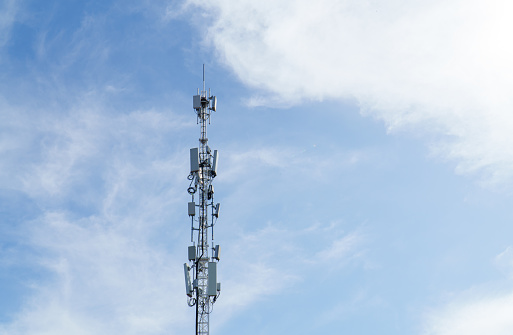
203,302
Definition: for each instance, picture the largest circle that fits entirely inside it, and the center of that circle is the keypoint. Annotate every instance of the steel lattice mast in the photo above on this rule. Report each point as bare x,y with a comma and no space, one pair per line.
204,289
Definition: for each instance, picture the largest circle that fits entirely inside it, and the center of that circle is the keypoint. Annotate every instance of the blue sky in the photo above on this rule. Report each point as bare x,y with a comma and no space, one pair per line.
365,165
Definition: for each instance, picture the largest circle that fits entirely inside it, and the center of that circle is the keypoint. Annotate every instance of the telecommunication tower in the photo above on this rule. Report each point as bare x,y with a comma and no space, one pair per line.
204,289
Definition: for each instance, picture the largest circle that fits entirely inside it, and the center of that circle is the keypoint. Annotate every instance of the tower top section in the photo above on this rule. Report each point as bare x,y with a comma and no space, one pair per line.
204,101
203,105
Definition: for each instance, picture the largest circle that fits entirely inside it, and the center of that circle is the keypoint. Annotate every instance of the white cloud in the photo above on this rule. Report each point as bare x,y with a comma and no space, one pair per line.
438,67
481,310
487,315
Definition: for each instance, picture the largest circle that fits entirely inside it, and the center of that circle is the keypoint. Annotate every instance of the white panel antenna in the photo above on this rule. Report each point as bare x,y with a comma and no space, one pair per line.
192,208
214,163
194,160
216,210
217,251
192,253
212,279
188,287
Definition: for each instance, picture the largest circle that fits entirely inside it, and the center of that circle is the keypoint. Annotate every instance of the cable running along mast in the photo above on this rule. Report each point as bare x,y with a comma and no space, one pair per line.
201,284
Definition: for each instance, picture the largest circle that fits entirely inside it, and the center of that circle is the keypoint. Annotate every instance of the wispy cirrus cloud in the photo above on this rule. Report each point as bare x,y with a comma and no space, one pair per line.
102,244
341,249
276,258
8,11
103,277
90,142
294,160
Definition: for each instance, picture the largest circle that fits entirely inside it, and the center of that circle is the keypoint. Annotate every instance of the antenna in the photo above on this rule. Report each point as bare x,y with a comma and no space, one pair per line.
202,268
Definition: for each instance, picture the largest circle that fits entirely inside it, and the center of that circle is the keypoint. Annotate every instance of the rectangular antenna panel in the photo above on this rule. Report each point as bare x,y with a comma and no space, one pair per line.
212,279
192,253
196,101
218,287
217,250
216,210
214,163
214,104
194,159
188,287
192,208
